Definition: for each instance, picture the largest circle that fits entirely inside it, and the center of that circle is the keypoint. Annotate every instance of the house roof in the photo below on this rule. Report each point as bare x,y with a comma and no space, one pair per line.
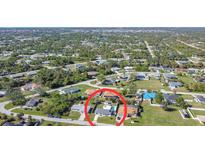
131,109
33,102
201,98
175,84
90,91
103,111
171,98
79,108
169,76
109,94
71,90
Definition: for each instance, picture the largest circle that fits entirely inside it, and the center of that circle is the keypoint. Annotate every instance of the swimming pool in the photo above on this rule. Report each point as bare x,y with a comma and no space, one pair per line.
149,95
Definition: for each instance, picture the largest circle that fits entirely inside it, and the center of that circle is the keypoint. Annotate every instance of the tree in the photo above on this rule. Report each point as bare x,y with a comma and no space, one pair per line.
16,96
180,102
101,77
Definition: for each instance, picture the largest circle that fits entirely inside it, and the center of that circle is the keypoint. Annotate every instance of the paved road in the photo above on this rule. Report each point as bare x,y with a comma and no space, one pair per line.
70,121
190,45
149,49
183,93
179,52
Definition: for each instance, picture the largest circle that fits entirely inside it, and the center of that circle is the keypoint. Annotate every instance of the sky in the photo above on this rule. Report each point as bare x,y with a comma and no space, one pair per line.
102,13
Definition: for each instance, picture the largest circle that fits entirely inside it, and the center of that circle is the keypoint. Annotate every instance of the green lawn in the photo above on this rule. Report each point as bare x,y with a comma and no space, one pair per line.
149,85
107,120
197,105
50,123
9,106
29,111
91,116
156,116
74,115
197,112
3,99
186,79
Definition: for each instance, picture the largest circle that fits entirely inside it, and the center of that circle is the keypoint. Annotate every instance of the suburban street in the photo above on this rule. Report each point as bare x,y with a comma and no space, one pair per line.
149,49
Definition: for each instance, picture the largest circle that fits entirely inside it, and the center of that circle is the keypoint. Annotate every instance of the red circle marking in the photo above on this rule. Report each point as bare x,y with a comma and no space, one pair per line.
103,90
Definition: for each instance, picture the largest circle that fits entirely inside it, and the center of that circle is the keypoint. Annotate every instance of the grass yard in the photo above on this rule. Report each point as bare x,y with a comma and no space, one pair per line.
74,115
197,105
3,99
51,123
91,116
107,120
197,112
149,85
9,106
186,79
156,116
29,111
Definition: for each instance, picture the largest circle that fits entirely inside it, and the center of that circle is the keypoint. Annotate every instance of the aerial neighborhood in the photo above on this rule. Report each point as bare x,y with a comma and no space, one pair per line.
47,74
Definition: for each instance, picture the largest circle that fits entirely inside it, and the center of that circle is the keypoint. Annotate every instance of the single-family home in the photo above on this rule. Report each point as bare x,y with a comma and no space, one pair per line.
171,98
103,112
92,74
33,102
2,93
108,82
131,110
169,76
199,99
141,76
173,85
80,108
30,87
128,69
69,91
115,69
88,92
109,95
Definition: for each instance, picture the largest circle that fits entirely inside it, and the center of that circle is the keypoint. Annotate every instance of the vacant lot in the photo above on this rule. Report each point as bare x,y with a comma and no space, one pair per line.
156,116
149,85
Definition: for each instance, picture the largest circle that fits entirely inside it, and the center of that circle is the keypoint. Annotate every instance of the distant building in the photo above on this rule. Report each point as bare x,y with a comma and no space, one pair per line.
2,93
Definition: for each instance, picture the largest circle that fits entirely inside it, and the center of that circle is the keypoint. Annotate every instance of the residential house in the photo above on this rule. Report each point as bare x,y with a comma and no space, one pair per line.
2,93
109,95
69,91
108,82
88,92
80,108
131,110
171,98
169,76
92,74
103,112
33,102
173,85
115,69
30,87
141,76
199,99
128,69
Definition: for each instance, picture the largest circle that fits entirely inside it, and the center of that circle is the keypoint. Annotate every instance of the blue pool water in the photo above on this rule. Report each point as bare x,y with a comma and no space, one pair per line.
149,95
